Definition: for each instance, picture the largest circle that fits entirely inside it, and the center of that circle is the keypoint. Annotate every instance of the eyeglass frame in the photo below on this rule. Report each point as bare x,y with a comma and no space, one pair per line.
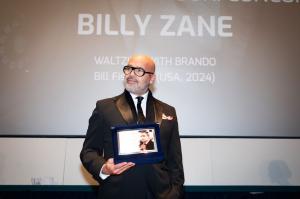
132,68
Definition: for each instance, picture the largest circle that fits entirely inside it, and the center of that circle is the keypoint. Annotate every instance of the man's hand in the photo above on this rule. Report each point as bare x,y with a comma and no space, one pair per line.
110,168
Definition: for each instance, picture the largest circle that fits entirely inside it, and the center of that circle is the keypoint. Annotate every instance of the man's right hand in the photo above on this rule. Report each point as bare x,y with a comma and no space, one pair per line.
110,168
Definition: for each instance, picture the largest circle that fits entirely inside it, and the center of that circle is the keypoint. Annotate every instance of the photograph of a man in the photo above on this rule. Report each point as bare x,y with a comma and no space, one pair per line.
146,142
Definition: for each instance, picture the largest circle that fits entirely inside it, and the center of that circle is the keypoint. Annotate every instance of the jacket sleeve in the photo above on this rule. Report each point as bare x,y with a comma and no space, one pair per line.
92,151
174,163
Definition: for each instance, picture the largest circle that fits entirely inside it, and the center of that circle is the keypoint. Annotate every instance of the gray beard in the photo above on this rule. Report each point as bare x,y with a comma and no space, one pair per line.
135,89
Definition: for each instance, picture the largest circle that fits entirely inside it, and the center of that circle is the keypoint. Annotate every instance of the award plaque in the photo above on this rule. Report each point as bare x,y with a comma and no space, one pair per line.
137,143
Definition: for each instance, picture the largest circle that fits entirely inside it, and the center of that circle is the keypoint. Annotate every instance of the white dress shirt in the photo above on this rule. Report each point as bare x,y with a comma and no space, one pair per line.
143,104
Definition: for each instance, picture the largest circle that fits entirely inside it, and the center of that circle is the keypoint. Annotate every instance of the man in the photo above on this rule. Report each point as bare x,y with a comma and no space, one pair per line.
146,143
163,180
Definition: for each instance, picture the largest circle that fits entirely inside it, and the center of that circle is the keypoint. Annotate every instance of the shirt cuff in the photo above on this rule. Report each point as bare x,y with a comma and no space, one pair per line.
102,175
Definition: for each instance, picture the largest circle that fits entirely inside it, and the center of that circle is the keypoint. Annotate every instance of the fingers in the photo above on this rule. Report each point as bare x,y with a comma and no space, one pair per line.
123,167
120,165
115,169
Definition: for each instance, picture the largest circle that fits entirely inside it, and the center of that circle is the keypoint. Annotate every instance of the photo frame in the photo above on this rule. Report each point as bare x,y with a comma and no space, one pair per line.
137,143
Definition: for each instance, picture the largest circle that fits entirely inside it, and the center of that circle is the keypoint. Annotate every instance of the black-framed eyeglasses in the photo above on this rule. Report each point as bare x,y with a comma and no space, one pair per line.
138,71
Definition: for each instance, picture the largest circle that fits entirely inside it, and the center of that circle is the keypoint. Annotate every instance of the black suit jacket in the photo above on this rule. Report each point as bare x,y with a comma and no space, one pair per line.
150,181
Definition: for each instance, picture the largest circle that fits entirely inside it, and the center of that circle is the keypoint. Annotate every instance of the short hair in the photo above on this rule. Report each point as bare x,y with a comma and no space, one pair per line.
144,131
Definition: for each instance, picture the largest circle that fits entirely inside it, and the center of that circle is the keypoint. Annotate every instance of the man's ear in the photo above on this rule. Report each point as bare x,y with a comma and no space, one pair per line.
152,79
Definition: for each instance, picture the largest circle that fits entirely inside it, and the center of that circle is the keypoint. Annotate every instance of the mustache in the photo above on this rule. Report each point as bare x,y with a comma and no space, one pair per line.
131,79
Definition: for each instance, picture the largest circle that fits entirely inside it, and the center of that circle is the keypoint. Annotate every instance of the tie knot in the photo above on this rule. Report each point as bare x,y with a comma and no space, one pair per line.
139,98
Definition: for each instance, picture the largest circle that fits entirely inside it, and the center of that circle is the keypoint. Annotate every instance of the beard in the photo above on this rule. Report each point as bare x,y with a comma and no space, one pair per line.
136,87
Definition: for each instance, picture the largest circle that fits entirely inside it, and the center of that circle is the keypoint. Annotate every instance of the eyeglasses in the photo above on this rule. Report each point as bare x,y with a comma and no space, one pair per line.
138,71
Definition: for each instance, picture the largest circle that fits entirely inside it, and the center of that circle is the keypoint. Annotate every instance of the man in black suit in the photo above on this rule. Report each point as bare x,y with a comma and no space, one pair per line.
163,180
146,143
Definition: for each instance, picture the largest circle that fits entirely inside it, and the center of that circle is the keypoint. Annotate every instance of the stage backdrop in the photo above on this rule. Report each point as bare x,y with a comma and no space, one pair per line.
231,68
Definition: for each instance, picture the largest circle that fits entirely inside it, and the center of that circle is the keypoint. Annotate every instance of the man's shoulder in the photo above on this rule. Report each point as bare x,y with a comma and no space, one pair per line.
108,101
164,104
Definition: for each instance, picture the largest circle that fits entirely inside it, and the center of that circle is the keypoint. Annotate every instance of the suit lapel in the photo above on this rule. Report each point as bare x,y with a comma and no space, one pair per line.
158,110
126,107
154,109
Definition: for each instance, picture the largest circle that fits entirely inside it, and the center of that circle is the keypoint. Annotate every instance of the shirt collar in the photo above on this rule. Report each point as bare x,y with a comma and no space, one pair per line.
145,96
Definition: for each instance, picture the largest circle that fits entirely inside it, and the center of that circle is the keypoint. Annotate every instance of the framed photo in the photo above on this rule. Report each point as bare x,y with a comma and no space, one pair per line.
137,143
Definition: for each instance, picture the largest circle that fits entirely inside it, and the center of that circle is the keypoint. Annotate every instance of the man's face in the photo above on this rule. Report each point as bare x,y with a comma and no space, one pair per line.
144,137
139,85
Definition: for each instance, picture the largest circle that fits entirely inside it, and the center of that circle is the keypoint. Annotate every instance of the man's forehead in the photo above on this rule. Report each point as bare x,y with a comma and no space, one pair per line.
142,61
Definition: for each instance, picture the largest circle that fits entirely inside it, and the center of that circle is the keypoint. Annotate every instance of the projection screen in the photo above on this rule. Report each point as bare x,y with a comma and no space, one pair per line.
231,68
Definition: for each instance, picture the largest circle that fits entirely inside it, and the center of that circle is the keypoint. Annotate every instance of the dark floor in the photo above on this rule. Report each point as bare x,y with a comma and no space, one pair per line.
188,195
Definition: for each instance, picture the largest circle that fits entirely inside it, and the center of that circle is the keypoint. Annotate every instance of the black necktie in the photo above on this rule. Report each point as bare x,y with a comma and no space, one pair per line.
141,117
